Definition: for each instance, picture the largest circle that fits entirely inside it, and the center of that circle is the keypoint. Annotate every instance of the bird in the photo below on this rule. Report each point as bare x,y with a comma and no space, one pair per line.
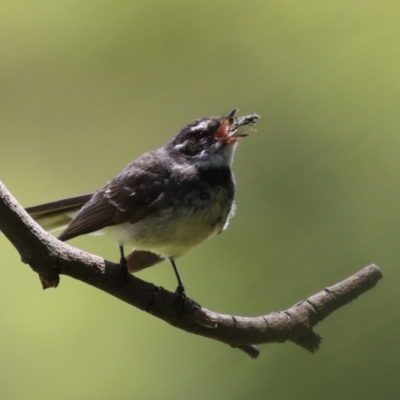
164,203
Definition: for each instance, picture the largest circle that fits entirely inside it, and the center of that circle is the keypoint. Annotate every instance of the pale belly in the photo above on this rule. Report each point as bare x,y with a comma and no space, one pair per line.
172,234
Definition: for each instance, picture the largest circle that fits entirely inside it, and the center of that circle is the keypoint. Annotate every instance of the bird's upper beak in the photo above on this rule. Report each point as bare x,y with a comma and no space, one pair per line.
228,132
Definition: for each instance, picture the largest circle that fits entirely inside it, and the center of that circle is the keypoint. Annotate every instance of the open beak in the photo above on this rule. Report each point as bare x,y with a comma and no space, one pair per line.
228,132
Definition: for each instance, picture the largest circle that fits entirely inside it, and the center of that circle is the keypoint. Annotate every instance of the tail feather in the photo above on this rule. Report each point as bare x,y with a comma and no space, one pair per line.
58,214
141,259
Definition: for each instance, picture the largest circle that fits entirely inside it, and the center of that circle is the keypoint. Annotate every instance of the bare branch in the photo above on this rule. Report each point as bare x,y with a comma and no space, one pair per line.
50,257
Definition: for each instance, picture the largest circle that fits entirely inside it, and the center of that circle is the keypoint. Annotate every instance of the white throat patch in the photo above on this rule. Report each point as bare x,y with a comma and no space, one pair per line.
218,156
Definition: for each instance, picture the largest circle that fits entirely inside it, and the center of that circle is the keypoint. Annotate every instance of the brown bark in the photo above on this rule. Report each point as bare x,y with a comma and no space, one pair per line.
50,258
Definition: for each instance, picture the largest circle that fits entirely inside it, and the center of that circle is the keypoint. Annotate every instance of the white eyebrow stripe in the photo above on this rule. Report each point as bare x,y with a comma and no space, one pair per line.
203,125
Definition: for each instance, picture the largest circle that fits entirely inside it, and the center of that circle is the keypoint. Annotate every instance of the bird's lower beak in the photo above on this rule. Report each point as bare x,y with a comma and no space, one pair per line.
229,129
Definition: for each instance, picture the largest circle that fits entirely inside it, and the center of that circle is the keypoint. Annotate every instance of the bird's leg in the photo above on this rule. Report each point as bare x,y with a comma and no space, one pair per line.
180,290
123,263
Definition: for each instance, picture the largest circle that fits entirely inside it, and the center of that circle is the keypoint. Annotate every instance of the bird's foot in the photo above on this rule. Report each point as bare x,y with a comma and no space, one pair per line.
181,296
123,268
123,265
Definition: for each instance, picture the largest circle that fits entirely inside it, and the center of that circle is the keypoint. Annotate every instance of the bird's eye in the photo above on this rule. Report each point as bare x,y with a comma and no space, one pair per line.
198,135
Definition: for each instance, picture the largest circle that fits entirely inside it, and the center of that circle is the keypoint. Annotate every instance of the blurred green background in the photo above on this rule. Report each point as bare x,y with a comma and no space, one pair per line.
88,86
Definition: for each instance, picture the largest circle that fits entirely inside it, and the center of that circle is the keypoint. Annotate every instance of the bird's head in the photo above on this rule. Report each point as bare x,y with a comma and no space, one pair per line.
211,142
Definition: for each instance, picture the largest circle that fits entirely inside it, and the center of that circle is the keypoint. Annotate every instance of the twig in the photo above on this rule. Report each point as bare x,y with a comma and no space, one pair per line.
50,258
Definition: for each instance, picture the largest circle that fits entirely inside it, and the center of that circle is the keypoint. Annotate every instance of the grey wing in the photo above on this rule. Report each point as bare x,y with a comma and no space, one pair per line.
130,197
